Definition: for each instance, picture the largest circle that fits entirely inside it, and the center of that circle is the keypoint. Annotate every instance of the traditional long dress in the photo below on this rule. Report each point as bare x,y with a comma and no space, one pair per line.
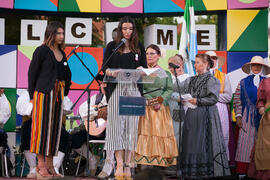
225,96
203,150
174,107
245,99
156,141
260,164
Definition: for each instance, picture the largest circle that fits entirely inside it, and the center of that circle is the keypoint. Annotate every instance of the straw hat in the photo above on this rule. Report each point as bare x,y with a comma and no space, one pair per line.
256,60
221,59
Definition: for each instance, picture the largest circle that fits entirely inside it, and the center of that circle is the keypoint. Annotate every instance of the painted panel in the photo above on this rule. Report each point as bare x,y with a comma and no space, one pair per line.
235,61
156,6
25,54
11,123
8,63
80,5
2,31
210,5
41,5
92,57
6,4
122,6
247,30
32,32
78,31
244,4
73,96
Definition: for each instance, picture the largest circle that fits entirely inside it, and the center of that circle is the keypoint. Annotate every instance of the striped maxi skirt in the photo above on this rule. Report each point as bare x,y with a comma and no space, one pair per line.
47,120
121,131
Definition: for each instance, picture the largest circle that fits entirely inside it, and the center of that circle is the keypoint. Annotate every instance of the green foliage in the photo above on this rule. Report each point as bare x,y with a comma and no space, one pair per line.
207,19
141,23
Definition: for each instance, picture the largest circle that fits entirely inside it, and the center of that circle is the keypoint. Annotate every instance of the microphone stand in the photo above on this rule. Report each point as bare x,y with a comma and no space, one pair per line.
87,171
179,172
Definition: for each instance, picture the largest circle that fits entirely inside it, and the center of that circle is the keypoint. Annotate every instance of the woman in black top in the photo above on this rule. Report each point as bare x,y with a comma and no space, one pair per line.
49,79
121,131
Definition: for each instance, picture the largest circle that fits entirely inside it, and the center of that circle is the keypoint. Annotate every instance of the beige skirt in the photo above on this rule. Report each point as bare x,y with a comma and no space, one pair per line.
262,148
156,141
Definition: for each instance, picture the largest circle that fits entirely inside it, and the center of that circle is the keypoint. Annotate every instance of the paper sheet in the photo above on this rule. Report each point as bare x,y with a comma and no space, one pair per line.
185,98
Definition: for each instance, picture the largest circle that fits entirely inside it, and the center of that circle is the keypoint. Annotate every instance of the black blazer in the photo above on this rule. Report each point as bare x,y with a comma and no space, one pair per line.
42,72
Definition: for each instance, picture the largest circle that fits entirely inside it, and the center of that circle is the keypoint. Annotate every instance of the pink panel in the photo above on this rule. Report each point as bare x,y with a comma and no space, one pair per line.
22,71
109,7
74,95
240,4
6,4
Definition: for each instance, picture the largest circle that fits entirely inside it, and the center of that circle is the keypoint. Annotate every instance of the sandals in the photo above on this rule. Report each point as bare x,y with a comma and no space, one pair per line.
105,174
52,171
119,173
42,173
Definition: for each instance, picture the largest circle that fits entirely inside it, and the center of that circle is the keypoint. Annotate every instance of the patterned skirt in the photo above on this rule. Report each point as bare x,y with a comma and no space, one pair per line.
47,120
156,141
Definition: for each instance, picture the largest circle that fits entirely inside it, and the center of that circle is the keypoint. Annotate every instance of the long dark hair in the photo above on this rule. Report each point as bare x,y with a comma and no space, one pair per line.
134,40
206,59
50,34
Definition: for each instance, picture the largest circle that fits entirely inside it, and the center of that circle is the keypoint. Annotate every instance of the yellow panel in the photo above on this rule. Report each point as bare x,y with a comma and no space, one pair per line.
215,4
237,22
89,5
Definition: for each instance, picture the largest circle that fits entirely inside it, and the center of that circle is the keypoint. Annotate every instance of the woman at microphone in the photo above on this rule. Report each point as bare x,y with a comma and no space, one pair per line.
176,62
49,79
130,54
156,141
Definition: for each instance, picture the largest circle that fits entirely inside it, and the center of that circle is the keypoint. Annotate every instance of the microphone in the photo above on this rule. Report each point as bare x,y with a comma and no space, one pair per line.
73,51
173,65
73,117
123,40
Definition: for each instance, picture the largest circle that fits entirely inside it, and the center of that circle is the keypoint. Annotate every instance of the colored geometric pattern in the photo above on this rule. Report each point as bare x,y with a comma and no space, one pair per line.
247,30
24,59
163,62
8,63
42,5
74,95
222,54
155,6
122,6
244,4
210,5
6,4
80,5
11,123
235,61
92,57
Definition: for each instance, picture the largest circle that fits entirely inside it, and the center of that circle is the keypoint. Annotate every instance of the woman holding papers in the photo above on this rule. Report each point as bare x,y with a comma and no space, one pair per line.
156,141
120,129
203,151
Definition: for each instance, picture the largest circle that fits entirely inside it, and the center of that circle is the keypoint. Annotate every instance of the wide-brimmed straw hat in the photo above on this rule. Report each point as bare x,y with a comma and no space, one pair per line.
221,59
256,60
